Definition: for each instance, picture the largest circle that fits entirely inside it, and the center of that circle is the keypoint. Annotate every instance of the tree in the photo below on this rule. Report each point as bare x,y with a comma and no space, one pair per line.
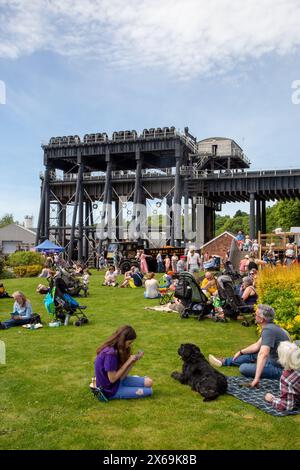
7,219
240,221
284,214
240,213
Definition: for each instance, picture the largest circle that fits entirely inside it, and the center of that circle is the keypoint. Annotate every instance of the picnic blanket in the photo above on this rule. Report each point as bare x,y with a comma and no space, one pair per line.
255,396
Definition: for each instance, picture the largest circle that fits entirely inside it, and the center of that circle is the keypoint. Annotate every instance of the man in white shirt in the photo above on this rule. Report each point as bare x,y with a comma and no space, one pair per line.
193,263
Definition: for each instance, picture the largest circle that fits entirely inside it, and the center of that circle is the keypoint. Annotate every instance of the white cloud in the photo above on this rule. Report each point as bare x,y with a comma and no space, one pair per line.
188,38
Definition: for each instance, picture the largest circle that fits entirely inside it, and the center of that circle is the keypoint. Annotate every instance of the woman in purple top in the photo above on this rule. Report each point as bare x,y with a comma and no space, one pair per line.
113,362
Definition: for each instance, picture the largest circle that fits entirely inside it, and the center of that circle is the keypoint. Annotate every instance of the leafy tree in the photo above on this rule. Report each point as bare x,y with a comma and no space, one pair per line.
284,214
7,219
232,224
240,213
220,221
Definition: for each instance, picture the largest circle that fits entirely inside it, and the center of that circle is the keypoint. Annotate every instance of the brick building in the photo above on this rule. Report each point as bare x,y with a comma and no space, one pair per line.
218,245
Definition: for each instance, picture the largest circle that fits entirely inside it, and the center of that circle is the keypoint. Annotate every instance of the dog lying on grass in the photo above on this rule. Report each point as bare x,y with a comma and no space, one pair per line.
199,374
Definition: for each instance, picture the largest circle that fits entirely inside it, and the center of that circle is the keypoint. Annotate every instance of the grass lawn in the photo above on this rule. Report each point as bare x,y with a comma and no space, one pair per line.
45,402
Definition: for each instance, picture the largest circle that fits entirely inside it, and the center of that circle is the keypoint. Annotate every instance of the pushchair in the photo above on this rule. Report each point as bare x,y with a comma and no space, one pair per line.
231,302
73,284
194,300
61,305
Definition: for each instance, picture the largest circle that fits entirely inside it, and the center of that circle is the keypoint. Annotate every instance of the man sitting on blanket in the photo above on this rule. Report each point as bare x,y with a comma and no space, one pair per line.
260,359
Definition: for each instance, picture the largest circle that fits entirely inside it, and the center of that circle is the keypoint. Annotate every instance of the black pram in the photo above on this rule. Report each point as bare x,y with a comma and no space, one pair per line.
194,300
232,303
73,284
61,305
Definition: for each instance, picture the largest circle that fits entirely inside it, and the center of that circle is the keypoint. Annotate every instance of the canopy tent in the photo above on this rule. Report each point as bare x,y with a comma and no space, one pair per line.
49,247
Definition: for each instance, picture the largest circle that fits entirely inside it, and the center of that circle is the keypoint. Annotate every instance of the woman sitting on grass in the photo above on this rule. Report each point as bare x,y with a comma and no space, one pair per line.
110,278
113,363
248,292
289,358
151,287
22,312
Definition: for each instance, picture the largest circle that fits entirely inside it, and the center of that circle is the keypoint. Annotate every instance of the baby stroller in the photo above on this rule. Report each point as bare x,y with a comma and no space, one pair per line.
231,303
235,275
194,300
61,305
73,284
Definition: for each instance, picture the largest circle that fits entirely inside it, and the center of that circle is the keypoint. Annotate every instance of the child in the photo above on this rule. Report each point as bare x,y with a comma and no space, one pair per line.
289,358
85,281
114,361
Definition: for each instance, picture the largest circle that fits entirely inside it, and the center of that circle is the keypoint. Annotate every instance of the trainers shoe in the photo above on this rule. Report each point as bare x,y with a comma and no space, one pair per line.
215,361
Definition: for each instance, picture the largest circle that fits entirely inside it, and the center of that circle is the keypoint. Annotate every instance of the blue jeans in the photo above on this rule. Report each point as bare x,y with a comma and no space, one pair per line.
12,322
132,387
160,267
247,366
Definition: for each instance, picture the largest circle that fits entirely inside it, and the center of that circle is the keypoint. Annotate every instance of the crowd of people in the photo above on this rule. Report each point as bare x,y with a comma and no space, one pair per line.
273,356
268,254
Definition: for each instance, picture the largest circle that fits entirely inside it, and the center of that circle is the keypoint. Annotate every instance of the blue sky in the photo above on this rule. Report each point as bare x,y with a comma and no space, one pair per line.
74,67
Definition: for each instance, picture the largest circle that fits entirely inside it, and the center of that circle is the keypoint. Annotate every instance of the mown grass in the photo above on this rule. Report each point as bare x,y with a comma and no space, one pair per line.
45,402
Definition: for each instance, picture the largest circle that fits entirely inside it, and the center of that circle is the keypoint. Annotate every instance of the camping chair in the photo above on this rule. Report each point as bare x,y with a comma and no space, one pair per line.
166,295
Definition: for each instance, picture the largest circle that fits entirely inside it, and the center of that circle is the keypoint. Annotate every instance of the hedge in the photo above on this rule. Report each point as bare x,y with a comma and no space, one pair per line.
280,288
27,271
25,258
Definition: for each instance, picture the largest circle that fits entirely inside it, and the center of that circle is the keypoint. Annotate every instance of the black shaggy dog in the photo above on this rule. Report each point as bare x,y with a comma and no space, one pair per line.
199,374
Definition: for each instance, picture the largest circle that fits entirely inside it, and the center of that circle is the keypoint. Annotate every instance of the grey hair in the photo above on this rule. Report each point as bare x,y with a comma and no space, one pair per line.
248,281
289,355
266,312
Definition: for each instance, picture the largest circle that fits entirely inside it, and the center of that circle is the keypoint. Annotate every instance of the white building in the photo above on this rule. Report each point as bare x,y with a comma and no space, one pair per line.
14,237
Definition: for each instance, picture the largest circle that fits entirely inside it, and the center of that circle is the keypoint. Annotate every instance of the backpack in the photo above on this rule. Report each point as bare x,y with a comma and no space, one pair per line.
36,318
49,302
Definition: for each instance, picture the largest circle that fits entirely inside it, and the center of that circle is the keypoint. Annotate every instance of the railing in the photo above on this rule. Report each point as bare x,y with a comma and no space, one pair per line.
192,145
121,174
198,174
184,171
210,155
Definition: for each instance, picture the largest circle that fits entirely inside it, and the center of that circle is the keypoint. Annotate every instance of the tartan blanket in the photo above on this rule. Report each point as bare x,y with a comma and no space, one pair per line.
255,396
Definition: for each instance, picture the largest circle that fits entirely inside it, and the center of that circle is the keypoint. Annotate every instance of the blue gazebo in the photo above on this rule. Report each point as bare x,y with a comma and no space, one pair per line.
49,247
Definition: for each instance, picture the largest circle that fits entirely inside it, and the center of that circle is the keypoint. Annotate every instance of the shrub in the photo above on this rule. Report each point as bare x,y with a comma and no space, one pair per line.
7,274
20,271
1,265
27,271
280,288
33,271
25,258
